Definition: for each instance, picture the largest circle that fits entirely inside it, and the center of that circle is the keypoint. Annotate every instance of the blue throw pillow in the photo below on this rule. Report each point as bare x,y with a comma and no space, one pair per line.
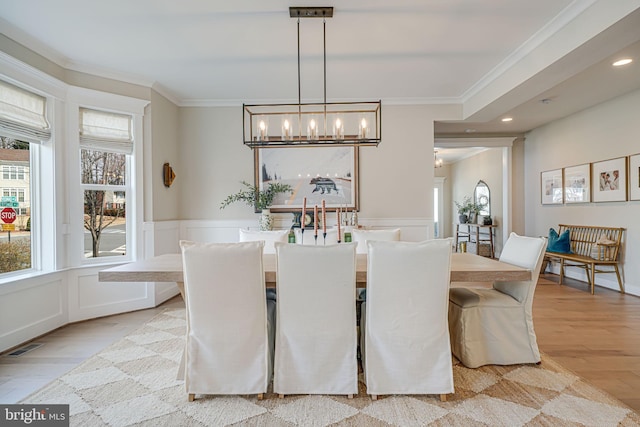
559,243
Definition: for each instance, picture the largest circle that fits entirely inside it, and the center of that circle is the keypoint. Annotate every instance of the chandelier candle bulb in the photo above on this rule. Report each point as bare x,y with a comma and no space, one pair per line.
286,130
338,129
262,130
363,128
312,129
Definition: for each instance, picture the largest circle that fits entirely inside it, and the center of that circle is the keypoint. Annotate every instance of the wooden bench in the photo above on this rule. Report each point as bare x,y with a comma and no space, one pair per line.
590,252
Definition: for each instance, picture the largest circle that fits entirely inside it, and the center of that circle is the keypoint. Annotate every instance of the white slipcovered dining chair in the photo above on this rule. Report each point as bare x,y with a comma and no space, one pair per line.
269,237
227,346
309,239
405,344
316,320
495,326
362,236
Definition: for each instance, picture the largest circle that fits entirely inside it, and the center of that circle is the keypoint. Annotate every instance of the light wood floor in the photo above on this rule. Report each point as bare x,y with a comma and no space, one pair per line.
595,336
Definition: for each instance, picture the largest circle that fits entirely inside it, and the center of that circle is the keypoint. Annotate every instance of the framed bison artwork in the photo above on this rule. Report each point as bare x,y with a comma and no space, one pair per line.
317,173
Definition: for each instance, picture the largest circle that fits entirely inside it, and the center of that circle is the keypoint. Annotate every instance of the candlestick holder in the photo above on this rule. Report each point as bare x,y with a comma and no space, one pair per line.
344,219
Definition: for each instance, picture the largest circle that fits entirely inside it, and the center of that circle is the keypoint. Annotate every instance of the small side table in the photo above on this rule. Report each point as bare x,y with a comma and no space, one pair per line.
479,237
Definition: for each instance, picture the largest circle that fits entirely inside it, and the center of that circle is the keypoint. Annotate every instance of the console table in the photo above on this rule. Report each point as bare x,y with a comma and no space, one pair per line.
476,233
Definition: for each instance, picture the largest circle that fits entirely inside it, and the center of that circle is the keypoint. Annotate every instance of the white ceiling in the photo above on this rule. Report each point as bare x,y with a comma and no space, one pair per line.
199,52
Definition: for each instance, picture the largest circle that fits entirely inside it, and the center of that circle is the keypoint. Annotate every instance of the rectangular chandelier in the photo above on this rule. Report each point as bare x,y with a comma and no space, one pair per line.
312,124
335,123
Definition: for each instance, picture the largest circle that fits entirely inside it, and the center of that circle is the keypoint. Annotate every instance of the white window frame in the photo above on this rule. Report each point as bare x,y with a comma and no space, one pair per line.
101,101
41,168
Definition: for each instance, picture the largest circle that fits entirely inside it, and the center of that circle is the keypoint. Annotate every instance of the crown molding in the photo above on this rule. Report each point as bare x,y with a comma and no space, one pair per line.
571,12
20,74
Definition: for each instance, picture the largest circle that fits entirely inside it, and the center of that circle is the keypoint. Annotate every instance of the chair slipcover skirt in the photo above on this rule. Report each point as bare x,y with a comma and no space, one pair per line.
316,340
406,336
227,349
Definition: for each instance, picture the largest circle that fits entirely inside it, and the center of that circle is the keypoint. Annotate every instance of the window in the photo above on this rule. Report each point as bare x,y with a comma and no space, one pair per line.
13,172
105,152
23,127
15,237
106,145
17,193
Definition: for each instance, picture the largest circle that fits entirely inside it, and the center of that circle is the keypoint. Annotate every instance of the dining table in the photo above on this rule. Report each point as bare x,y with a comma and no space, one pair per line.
465,267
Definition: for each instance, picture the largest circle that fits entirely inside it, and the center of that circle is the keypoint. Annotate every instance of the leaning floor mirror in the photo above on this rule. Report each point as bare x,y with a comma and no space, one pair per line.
482,197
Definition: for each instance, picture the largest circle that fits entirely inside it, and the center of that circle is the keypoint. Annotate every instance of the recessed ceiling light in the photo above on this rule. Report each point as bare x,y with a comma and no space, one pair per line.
507,119
624,61
469,130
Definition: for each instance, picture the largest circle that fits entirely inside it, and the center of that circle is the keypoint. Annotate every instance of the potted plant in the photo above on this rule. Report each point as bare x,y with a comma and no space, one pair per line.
464,208
468,208
261,200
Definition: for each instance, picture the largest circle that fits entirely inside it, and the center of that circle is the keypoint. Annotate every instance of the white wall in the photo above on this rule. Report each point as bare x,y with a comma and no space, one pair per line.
606,131
396,178
213,161
163,144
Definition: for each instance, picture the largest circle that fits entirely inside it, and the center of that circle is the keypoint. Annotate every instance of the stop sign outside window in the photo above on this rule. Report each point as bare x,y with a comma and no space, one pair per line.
8,215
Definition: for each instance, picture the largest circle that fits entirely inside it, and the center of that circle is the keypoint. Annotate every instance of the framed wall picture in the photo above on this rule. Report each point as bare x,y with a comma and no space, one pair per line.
634,177
551,187
609,180
577,184
317,173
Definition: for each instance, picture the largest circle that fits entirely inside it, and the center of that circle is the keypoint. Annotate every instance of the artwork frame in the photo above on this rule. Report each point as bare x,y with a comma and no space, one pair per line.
551,187
577,184
634,177
609,180
317,173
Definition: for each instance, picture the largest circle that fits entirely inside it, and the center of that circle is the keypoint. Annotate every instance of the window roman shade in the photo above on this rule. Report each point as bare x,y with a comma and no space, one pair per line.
23,114
101,130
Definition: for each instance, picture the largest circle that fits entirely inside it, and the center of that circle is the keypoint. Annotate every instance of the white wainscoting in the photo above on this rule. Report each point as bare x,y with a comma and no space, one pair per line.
412,229
30,307
89,298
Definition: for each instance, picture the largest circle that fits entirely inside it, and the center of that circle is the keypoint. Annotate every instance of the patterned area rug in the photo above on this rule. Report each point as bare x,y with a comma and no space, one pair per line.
133,382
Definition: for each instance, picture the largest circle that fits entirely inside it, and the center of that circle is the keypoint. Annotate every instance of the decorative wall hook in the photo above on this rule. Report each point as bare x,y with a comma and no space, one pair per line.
168,174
